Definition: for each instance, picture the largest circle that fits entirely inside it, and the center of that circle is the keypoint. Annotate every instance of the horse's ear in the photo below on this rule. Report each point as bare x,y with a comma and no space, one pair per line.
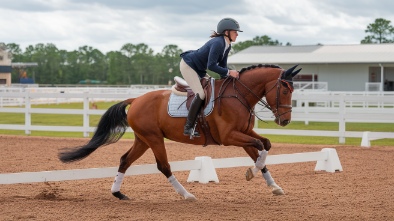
296,72
289,71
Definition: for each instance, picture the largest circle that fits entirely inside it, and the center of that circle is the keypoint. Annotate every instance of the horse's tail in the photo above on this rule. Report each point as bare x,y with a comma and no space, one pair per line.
110,129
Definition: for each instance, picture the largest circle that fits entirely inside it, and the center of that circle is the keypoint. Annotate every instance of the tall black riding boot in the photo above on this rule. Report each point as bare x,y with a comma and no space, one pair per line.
192,116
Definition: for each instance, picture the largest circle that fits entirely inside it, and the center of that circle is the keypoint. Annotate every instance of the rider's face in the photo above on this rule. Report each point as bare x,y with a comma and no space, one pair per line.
233,35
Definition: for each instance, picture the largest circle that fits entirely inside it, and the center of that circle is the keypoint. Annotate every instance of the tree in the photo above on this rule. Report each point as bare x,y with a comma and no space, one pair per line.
140,63
168,64
118,66
15,51
380,32
49,62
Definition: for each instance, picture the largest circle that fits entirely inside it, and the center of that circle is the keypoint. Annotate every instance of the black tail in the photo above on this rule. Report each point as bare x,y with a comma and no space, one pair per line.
112,126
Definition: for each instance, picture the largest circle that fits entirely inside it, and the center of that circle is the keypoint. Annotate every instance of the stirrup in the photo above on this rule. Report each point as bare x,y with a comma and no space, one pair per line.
191,132
194,133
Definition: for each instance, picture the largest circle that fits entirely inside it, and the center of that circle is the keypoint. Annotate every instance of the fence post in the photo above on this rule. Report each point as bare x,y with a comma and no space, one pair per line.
27,113
306,106
365,141
342,123
86,114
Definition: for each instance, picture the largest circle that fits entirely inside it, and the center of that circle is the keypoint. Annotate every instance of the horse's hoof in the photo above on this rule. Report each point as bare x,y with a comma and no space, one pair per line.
120,196
190,197
276,190
249,174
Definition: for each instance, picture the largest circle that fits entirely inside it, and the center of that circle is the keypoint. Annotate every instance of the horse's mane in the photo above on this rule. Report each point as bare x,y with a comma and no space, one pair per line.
258,66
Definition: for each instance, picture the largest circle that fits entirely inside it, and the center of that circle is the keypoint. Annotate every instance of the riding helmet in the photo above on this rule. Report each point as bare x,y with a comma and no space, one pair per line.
227,24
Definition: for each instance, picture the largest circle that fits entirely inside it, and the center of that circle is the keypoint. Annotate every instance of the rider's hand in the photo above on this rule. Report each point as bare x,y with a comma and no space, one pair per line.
234,73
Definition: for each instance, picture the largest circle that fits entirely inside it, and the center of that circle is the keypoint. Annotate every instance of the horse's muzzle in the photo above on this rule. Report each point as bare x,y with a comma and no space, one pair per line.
281,122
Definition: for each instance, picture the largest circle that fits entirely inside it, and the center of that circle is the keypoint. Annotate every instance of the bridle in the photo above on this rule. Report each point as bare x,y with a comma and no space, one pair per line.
280,82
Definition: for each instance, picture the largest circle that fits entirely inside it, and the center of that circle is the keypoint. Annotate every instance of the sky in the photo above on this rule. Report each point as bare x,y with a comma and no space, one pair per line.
107,25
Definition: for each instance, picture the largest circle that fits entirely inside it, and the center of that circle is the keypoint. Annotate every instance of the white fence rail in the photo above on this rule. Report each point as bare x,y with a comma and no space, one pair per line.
308,85
341,107
17,96
202,169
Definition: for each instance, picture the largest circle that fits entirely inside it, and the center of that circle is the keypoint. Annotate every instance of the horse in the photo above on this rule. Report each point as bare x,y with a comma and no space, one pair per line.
230,123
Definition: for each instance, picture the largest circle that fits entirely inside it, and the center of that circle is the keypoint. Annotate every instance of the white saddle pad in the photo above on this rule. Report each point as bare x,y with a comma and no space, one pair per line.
177,104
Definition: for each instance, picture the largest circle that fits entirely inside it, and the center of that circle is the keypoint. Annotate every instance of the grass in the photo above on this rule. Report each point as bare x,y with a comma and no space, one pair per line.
76,120
331,126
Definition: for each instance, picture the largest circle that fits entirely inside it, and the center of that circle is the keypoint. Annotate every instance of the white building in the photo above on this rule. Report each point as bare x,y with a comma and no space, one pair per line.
343,67
5,67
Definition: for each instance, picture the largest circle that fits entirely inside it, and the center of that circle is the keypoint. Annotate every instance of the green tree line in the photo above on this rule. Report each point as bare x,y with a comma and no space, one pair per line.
133,63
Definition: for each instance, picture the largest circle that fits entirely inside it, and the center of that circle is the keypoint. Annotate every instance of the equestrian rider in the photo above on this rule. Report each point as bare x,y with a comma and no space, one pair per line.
212,56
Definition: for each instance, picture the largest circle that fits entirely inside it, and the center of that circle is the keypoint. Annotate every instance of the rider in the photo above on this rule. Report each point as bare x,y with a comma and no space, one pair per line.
213,56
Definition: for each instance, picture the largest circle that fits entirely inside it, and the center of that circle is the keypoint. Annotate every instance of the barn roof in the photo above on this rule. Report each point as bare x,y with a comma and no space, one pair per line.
315,54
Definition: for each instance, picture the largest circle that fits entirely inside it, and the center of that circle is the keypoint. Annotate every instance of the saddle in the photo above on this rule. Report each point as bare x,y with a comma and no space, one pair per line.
181,88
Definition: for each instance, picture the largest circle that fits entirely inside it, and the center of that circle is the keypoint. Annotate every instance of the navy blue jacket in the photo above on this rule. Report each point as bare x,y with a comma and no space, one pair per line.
209,56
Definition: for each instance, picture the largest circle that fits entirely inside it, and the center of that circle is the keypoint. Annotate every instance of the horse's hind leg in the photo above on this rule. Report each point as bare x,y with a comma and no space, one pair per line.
135,152
159,150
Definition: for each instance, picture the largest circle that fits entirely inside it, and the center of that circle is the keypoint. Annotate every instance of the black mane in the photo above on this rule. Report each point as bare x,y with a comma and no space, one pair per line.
258,66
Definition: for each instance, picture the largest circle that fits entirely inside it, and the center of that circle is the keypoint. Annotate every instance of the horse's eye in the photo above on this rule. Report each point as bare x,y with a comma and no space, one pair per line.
285,91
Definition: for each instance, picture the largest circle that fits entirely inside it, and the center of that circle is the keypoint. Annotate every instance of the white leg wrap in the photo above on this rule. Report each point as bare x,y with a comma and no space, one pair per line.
117,183
255,170
180,189
268,178
260,162
277,190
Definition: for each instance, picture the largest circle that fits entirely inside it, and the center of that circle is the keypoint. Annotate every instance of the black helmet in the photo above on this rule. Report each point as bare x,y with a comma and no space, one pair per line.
227,24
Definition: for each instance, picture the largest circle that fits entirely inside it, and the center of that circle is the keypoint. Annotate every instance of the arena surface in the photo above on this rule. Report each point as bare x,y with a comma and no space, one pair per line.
363,191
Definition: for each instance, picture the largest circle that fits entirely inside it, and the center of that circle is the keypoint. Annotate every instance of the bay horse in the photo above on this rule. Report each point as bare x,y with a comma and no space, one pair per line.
231,123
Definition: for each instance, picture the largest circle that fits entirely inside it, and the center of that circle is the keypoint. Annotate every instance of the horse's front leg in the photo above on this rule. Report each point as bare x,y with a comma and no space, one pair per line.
252,172
259,157
276,189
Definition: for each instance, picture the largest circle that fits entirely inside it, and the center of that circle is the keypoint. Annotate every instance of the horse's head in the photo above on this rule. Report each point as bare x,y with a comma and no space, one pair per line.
278,95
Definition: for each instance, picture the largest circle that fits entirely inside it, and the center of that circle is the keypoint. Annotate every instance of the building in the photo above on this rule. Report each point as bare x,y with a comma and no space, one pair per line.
5,67
364,67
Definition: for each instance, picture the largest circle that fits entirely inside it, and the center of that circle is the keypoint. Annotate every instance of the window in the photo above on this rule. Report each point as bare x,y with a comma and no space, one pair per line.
305,77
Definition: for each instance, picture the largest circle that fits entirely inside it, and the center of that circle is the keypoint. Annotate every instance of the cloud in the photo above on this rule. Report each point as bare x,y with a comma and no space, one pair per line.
108,25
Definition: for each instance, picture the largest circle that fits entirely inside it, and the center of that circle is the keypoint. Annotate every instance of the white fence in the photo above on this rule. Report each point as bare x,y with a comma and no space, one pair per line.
202,169
341,107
